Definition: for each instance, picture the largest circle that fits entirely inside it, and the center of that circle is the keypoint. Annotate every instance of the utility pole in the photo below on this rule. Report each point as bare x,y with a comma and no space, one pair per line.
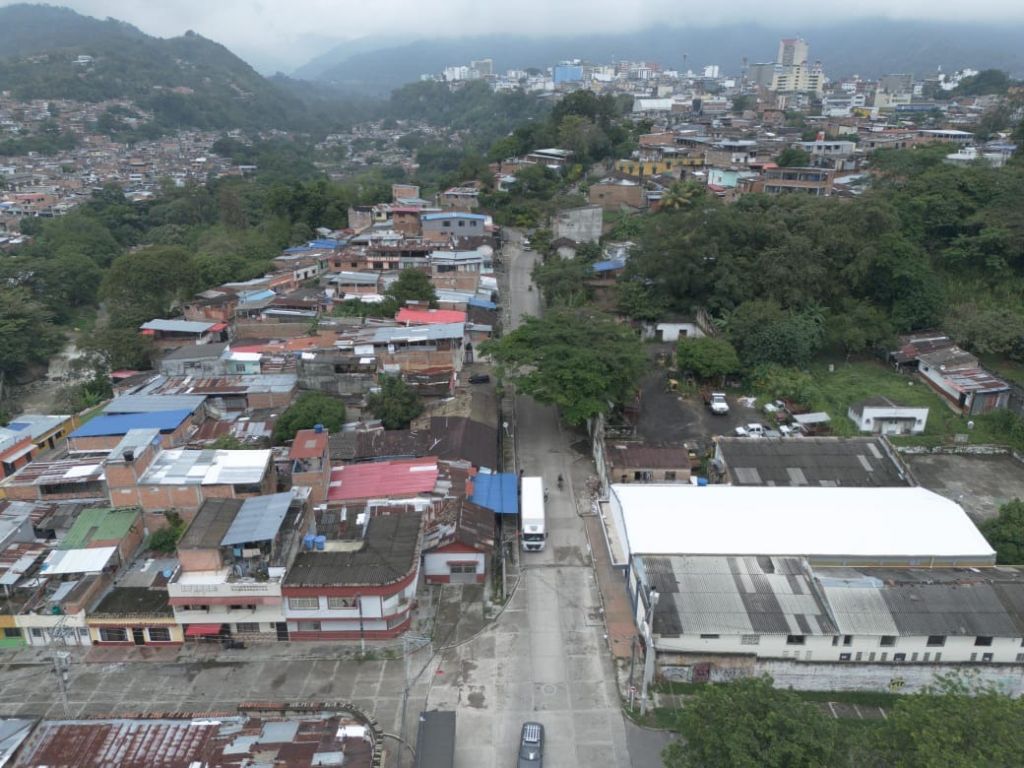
410,644
61,660
648,649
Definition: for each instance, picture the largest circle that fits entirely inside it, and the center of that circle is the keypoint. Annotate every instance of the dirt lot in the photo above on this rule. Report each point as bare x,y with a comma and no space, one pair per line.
668,417
979,483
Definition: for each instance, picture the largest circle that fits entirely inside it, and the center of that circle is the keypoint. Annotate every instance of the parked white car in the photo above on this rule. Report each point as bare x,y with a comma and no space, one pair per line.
751,430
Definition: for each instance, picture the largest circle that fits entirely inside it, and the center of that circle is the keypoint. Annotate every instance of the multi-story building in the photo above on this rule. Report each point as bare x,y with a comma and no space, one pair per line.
234,558
357,588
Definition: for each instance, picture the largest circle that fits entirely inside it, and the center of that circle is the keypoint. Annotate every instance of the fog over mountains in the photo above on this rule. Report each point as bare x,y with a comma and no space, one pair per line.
867,47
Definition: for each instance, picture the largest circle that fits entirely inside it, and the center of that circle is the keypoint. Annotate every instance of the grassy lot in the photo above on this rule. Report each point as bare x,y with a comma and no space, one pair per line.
850,382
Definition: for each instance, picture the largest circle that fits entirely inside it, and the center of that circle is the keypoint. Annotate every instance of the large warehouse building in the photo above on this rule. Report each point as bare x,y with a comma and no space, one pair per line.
732,577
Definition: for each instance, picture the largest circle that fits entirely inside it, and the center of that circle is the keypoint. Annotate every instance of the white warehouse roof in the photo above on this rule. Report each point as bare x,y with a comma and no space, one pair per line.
833,524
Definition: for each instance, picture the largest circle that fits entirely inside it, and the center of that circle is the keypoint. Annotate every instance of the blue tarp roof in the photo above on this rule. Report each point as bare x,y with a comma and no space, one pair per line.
326,243
120,424
498,492
482,303
609,266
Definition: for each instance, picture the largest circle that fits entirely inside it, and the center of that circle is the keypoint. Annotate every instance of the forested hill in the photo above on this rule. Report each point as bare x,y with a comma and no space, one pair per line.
185,81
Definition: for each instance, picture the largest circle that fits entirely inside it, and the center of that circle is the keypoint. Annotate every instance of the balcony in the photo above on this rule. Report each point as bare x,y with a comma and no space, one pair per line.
224,583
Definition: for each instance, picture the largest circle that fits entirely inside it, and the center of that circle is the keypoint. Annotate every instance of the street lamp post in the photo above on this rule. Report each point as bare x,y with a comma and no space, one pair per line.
652,599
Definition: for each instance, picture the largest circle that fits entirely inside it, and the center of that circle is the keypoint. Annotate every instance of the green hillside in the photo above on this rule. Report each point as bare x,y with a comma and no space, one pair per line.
185,81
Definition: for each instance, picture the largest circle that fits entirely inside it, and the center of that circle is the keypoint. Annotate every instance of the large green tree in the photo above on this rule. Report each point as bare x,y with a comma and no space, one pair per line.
578,360
308,410
147,283
710,357
395,403
751,724
1005,533
412,285
956,723
27,335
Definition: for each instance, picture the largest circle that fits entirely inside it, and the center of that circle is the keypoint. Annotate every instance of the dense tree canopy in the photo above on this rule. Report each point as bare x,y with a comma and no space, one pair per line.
395,403
578,360
750,724
308,410
1005,533
412,285
709,357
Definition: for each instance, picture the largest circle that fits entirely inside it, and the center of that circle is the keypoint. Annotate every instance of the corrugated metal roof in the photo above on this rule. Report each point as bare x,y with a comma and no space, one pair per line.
259,519
177,326
109,425
150,403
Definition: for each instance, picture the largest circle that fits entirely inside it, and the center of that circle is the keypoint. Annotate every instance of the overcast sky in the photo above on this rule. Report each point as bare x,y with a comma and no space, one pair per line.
283,34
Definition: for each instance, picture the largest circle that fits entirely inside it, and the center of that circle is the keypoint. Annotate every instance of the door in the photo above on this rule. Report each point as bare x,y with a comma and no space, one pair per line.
139,636
282,630
462,574
701,672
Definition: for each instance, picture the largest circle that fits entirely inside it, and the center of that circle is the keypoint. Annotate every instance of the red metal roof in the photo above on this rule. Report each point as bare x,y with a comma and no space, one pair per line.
308,444
429,316
383,479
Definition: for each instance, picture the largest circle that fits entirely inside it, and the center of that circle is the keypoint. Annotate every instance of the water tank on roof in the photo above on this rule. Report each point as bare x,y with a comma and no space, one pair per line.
702,481
321,543
308,542
318,428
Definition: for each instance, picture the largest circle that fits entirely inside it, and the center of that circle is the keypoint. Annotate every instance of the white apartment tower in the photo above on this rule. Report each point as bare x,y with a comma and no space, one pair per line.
793,51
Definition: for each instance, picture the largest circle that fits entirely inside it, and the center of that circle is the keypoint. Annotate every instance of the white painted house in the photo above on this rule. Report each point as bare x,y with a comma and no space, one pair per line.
882,416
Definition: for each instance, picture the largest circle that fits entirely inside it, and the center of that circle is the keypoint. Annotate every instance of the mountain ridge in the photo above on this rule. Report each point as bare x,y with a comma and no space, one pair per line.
869,47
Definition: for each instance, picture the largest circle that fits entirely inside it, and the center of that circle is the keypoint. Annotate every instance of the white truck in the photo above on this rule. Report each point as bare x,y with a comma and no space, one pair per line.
531,508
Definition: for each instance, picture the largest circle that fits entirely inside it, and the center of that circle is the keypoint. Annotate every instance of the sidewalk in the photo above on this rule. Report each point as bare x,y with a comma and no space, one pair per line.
618,615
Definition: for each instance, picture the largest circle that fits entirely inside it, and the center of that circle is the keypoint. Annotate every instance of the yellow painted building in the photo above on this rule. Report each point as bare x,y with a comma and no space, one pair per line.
656,167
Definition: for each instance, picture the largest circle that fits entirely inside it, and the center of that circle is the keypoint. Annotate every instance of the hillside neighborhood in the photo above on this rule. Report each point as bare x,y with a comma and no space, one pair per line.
698,380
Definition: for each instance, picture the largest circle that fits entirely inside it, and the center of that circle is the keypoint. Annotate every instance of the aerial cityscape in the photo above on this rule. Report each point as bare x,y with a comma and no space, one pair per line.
480,390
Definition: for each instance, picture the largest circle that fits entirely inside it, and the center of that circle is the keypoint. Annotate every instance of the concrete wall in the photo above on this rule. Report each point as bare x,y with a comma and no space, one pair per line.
580,224
905,678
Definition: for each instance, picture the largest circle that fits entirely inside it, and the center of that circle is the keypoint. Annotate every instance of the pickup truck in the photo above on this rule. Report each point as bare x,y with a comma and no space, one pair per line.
718,404
751,430
715,401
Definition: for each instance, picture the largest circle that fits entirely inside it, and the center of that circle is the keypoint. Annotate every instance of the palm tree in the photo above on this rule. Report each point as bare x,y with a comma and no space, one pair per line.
680,196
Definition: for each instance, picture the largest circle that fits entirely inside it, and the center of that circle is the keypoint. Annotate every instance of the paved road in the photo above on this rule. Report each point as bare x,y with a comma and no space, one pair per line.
545,658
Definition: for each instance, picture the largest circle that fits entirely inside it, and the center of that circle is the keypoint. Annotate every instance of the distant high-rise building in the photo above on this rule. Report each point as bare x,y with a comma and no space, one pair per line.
761,74
711,71
793,51
483,67
900,83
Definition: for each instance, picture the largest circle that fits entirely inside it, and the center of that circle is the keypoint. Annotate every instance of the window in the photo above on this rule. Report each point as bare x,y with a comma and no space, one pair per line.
859,656
12,632
938,657
974,657
37,632
927,657
795,639
871,656
936,641
986,657
913,656
159,634
750,639
247,626
835,640
887,641
83,631
339,603
844,657
309,626
670,476
462,568
304,603
884,656
113,634
709,637
847,639
1020,658
983,641
462,223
